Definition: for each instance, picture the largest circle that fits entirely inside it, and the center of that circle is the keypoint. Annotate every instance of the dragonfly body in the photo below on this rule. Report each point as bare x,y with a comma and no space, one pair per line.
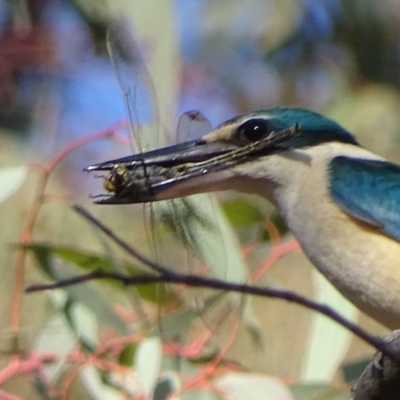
341,201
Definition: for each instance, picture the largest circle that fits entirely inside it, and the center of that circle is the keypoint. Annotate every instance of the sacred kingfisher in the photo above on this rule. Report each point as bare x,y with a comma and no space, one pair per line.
339,200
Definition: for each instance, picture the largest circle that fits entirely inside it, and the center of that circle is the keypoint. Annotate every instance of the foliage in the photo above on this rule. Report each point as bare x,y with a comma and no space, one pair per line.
103,340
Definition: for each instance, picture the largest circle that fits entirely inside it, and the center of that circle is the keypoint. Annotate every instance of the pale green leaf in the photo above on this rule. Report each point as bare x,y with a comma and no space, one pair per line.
328,342
55,338
95,387
85,324
91,299
201,394
11,178
205,229
318,391
148,358
81,293
238,386
176,324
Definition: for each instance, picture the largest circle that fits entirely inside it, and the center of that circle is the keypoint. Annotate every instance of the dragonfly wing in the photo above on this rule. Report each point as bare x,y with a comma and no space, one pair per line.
136,85
192,125
137,88
201,233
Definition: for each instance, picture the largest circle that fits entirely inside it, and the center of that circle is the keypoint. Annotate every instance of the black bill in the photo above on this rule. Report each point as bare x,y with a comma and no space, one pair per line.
142,177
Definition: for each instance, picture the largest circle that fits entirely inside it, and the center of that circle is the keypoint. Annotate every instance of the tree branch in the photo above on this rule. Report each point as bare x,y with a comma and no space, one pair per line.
167,276
381,378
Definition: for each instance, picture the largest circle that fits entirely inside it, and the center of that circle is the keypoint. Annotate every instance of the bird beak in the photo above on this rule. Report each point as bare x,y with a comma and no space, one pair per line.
159,174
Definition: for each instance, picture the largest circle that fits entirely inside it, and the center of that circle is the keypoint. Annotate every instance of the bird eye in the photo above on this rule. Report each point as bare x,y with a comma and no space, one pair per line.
254,130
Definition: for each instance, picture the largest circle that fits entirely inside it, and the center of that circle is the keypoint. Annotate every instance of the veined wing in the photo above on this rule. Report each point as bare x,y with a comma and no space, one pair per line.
197,221
136,85
192,125
199,224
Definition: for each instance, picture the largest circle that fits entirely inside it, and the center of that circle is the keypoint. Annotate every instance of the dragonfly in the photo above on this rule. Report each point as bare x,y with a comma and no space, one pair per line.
197,221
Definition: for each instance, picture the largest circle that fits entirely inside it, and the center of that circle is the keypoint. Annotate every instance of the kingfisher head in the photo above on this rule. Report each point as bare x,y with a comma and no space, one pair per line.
255,152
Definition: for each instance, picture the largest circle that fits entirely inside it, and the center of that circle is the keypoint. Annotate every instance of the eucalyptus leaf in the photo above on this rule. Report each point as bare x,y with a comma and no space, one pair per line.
205,230
201,394
317,391
175,325
241,212
56,338
83,259
93,300
85,325
353,370
88,262
11,178
148,358
81,293
96,388
157,293
328,342
238,386
126,356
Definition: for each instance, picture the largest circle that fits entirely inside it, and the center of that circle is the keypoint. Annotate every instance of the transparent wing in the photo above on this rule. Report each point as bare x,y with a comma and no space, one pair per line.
136,85
192,125
197,223
139,98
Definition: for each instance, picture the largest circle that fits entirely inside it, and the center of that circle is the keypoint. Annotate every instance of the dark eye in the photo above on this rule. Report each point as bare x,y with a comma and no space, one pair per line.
254,130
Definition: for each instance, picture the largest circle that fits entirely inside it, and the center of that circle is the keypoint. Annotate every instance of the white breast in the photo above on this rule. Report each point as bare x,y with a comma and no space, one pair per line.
360,261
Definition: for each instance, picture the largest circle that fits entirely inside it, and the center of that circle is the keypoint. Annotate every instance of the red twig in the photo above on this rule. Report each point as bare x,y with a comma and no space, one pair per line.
19,266
17,366
279,249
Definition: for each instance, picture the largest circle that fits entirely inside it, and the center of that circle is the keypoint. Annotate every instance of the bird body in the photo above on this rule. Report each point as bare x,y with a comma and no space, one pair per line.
360,260
340,201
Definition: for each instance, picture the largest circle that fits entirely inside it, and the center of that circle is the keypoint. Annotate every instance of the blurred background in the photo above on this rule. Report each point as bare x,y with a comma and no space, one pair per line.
57,86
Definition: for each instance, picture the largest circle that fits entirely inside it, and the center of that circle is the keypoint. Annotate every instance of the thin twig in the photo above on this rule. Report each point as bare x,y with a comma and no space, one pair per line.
124,245
167,276
38,200
211,283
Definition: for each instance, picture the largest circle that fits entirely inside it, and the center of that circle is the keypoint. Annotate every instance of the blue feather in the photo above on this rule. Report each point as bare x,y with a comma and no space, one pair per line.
369,190
315,128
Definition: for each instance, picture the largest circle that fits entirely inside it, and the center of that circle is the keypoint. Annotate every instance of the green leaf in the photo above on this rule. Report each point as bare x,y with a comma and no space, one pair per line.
126,356
241,212
57,338
43,258
157,293
93,300
11,178
279,222
352,371
81,293
84,260
317,391
201,394
205,230
175,325
238,386
148,358
154,293
322,360
96,388
252,323
85,325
